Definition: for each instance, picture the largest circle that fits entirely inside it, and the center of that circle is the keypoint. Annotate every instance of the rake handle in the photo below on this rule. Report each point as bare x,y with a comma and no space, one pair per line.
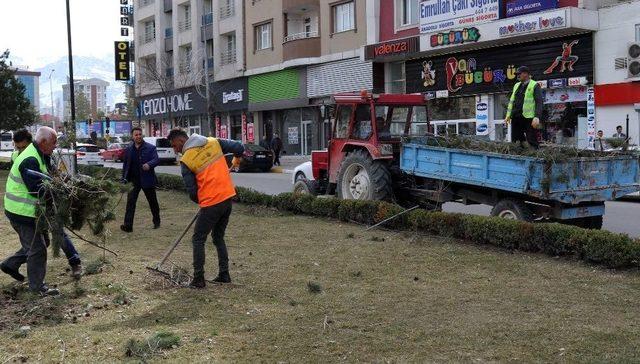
175,243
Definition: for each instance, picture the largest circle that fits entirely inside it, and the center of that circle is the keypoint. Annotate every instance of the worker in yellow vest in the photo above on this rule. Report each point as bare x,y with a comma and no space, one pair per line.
525,108
20,203
207,179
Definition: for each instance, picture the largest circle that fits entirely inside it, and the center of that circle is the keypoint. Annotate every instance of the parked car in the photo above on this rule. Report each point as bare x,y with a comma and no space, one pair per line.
255,158
6,141
165,152
115,152
302,171
88,154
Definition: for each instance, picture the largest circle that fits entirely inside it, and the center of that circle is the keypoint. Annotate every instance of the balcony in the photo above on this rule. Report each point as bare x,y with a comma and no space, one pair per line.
208,65
184,25
143,3
207,19
168,6
229,57
228,10
301,45
289,5
169,72
146,38
206,31
185,67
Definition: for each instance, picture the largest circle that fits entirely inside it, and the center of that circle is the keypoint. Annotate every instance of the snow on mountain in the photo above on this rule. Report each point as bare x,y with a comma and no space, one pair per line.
83,67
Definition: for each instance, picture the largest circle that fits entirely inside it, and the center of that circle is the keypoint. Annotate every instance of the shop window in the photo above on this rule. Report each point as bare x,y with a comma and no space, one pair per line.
397,78
500,104
446,129
362,126
452,108
419,125
501,130
468,128
342,124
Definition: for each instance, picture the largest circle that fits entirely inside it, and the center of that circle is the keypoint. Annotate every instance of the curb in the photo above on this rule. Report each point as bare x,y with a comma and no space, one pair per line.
279,169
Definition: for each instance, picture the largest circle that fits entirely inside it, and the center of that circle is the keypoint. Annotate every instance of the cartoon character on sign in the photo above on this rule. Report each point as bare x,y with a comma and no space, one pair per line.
428,75
567,59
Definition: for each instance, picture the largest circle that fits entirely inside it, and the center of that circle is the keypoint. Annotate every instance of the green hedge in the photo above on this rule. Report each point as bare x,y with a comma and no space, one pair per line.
596,246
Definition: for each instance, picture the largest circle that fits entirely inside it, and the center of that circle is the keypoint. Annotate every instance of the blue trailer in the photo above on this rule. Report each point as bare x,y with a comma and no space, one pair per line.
572,190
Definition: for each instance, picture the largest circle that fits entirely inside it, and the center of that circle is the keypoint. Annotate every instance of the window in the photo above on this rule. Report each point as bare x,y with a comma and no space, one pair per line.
446,129
342,124
397,79
637,32
500,103
263,36
307,27
362,126
229,49
452,108
344,17
468,128
149,31
407,11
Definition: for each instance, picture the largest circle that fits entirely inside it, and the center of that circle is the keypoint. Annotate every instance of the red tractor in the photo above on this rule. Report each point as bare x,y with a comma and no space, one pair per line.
361,161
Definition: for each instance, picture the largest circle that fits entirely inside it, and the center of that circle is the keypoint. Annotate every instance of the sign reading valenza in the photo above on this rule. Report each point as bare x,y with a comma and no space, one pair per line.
178,103
438,15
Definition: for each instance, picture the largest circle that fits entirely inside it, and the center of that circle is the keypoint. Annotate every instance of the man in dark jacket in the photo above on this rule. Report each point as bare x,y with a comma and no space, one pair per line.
140,159
276,146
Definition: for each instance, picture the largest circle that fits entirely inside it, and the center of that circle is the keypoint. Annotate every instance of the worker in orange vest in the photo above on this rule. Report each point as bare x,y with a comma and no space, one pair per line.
207,179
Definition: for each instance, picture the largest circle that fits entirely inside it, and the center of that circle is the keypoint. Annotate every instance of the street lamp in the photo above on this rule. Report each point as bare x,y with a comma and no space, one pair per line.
53,115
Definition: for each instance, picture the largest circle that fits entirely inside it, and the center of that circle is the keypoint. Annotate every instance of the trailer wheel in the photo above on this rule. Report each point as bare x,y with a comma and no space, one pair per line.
512,209
361,178
305,187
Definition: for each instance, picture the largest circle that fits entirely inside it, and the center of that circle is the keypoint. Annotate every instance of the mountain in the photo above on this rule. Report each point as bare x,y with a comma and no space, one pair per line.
83,67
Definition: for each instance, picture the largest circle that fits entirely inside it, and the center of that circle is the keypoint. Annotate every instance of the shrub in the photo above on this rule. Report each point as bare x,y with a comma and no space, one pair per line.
170,182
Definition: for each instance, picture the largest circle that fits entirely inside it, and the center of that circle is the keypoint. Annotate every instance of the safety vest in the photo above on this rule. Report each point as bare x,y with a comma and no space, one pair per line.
14,155
212,173
17,198
529,104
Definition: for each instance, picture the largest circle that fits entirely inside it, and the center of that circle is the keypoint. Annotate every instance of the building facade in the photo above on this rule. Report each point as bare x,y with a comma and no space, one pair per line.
93,89
617,72
299,53
468,71
31,82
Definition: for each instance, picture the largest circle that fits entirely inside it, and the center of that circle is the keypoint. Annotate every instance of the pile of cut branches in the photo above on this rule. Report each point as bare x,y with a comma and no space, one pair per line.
72,202
552,153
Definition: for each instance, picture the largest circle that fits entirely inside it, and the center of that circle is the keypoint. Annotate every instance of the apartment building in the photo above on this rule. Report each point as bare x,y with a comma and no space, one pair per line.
299,53
93,89
31,82
174,59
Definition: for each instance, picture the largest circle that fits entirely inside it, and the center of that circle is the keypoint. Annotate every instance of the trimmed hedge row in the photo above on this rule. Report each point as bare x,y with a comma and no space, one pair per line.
596,246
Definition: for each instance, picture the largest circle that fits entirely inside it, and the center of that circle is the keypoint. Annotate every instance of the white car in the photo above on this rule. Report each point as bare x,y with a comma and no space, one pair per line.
165,152
302,171
89,154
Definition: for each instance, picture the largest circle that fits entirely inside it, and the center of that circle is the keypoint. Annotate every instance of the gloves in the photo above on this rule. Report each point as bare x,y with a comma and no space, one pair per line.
507,120
235,163
535,123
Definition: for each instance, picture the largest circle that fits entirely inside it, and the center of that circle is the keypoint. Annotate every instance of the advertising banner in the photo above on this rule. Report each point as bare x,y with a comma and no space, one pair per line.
482,115
250,133
521,7
217,121
493,70
122,127
438,15
244,128
292,135
591,118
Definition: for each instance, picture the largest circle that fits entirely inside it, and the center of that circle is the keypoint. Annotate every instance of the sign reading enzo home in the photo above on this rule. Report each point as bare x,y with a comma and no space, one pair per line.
439,15
175,104
494,70
122,61
392,48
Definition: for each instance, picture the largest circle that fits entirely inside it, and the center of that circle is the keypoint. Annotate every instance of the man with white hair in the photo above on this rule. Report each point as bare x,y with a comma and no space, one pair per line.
20,203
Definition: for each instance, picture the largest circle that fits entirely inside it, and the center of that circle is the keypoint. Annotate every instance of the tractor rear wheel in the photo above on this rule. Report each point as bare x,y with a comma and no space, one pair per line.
305,187
361,178
512,210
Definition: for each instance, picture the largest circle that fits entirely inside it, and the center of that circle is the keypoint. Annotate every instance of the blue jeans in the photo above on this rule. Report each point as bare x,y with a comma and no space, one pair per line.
73,257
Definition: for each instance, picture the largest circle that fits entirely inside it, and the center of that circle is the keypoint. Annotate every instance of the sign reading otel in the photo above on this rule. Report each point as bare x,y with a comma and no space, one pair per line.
122,61
438,15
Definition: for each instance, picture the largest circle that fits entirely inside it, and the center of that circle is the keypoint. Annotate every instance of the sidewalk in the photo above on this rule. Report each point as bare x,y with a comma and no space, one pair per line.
290,162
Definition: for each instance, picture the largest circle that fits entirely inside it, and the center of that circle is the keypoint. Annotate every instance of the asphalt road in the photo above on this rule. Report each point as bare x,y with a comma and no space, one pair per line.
621,217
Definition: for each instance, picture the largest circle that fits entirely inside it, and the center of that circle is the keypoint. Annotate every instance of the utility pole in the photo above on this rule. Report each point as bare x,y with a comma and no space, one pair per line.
72,95
53,115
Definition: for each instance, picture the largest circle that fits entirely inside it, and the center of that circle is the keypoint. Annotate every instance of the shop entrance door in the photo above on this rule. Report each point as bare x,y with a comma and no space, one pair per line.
307,136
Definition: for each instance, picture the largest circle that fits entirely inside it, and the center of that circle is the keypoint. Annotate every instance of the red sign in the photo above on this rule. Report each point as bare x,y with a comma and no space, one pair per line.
223,131
250,133
391,48
217,122
244,128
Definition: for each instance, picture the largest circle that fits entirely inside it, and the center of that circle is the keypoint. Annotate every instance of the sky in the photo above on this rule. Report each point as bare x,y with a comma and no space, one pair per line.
35,31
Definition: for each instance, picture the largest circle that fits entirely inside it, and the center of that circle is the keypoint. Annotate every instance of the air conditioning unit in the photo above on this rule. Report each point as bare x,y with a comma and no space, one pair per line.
633,60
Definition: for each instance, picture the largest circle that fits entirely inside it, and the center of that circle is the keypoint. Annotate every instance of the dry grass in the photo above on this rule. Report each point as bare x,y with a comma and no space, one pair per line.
406,298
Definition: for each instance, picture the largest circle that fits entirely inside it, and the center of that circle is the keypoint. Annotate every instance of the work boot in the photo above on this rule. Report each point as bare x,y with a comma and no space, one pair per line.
198,282
76,271
13,273
223,277
46,291
156,225
126,228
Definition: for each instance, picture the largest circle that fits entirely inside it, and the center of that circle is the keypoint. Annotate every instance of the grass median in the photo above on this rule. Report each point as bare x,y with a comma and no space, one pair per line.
313,289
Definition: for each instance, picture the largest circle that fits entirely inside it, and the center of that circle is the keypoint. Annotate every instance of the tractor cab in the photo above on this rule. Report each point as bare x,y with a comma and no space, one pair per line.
365,143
